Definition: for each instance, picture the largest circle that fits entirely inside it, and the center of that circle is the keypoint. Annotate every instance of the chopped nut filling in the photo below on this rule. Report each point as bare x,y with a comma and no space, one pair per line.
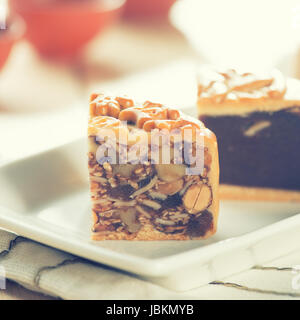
166,199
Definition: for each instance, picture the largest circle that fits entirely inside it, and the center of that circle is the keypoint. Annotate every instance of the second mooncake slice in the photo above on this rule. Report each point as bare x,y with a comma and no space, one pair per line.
257,121
154,172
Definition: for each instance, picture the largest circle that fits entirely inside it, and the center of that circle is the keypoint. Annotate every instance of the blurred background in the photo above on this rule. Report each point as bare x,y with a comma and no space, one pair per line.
54,53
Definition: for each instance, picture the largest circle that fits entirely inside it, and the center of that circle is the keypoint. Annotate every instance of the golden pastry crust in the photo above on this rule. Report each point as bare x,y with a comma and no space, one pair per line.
230,192
231,92
148,233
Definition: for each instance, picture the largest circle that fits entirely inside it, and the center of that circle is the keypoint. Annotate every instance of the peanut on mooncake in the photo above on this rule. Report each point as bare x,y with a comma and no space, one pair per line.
154,172
257,121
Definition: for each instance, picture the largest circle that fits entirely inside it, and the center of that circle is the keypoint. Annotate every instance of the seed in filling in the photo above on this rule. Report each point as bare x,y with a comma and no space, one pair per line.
172,201
199,225
129,218
121,192
144,182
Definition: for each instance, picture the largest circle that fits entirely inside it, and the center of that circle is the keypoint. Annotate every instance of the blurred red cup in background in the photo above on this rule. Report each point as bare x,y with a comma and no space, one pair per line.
61,28
12,31
147,8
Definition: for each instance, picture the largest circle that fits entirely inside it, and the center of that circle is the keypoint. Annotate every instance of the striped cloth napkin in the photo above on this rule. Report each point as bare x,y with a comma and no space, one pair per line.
57,273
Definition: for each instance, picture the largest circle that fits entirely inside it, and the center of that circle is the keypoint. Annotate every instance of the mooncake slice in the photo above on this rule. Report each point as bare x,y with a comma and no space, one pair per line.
257,121
154,172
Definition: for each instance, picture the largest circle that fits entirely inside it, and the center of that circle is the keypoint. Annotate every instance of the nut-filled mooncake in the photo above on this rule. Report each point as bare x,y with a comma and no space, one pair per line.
256,119
154,172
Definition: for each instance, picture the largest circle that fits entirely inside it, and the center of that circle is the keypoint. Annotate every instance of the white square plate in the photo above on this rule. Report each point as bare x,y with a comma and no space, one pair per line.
45,197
